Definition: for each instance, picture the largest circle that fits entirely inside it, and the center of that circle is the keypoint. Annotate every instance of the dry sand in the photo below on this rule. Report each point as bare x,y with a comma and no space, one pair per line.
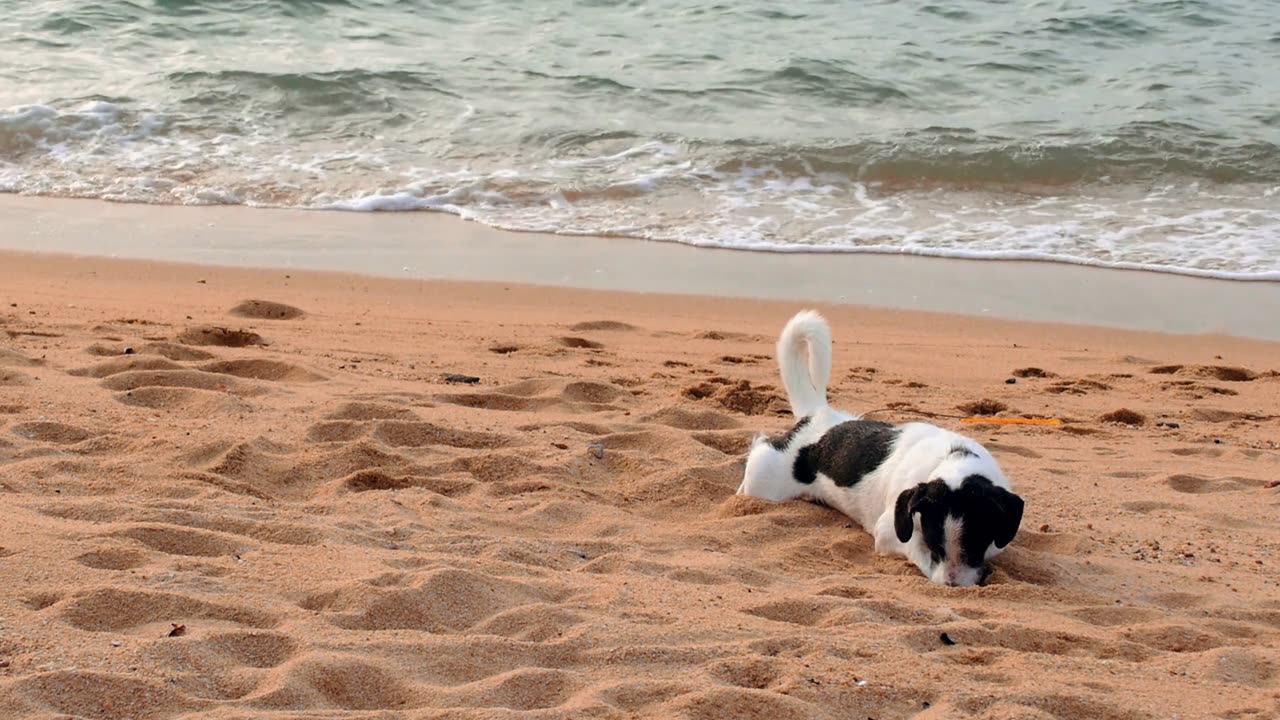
296,516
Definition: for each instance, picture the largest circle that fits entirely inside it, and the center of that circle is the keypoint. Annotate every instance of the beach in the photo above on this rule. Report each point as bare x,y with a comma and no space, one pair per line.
438,490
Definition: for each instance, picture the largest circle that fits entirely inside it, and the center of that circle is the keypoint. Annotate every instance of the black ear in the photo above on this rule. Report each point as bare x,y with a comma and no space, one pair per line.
1010,516
902,511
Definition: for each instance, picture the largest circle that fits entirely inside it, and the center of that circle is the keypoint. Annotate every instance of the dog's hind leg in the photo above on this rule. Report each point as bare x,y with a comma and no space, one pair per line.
768,475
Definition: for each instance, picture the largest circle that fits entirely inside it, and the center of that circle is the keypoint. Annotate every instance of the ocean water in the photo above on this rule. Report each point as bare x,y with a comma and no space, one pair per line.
1136,134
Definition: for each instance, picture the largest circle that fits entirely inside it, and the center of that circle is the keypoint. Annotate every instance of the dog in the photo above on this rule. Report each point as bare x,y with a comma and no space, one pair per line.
930,495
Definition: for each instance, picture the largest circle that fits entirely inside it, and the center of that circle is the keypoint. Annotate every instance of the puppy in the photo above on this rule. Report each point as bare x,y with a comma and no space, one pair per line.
937,498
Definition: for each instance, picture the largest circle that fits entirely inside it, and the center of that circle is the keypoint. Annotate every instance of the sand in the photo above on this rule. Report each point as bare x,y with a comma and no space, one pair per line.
280,508
437,246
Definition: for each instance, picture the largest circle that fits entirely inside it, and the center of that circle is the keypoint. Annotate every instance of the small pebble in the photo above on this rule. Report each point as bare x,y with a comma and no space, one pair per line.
1011,381
596,449
560,446
946,639
1044,528
128,351
464,379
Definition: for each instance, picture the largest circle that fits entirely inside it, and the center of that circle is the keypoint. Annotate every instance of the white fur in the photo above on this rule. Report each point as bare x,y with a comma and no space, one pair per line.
921,453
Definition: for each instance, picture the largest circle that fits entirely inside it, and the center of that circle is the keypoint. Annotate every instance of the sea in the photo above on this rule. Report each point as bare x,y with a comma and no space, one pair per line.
1139,134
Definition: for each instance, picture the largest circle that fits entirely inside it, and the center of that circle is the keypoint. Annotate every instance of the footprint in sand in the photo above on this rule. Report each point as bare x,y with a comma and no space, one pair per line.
545,394
1124,416
375,480
263,369
338,681
187,542
1194,390
807,611
403,433
362,411
186,400
740,396
1173,638
638,695
338,431
13,358
266,310
535,623
983,407
184,378
13,378
52,432
749,671
1150,506
174,351
520,689
114,609
253,649
1208,451
1033,372
259,468
102,696
113,559
1225,373
1082,386
429,606
123,364
219,336
734,444
171,351
1020,638
998,448
603,326
738,702
1197,485
579,343
40,600
1112,616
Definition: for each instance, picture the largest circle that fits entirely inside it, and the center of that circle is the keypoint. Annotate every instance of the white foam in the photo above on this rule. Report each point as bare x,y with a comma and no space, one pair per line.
650,190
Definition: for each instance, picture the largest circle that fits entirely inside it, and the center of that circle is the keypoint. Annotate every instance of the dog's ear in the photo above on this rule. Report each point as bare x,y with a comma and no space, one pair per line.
902,512
1010,518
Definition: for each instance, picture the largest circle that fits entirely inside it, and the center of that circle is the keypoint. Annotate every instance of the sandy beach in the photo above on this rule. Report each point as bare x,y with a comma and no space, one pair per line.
239,493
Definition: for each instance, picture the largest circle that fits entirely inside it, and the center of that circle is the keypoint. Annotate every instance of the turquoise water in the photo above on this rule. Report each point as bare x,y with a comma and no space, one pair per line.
1139,134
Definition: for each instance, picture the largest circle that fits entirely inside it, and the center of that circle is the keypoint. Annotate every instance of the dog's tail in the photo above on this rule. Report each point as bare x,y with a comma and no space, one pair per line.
804,360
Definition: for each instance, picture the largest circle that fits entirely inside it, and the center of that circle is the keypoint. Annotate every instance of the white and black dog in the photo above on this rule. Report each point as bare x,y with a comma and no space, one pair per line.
933,496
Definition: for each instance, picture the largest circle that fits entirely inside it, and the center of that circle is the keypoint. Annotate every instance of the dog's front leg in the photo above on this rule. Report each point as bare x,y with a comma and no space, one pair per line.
886,537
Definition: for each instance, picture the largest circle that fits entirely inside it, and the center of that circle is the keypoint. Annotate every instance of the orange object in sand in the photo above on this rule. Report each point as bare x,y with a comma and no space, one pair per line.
1011,421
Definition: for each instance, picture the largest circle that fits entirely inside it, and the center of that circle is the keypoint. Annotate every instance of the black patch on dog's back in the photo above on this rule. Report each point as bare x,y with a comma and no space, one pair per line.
846,453
783,442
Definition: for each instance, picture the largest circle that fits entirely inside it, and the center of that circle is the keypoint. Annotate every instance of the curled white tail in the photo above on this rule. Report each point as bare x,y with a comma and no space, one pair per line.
804,360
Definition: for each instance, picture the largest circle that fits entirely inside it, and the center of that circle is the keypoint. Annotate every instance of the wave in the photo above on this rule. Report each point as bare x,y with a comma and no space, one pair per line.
1155,196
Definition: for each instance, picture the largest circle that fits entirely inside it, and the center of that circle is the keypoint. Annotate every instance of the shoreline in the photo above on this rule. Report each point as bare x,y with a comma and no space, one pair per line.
436,246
